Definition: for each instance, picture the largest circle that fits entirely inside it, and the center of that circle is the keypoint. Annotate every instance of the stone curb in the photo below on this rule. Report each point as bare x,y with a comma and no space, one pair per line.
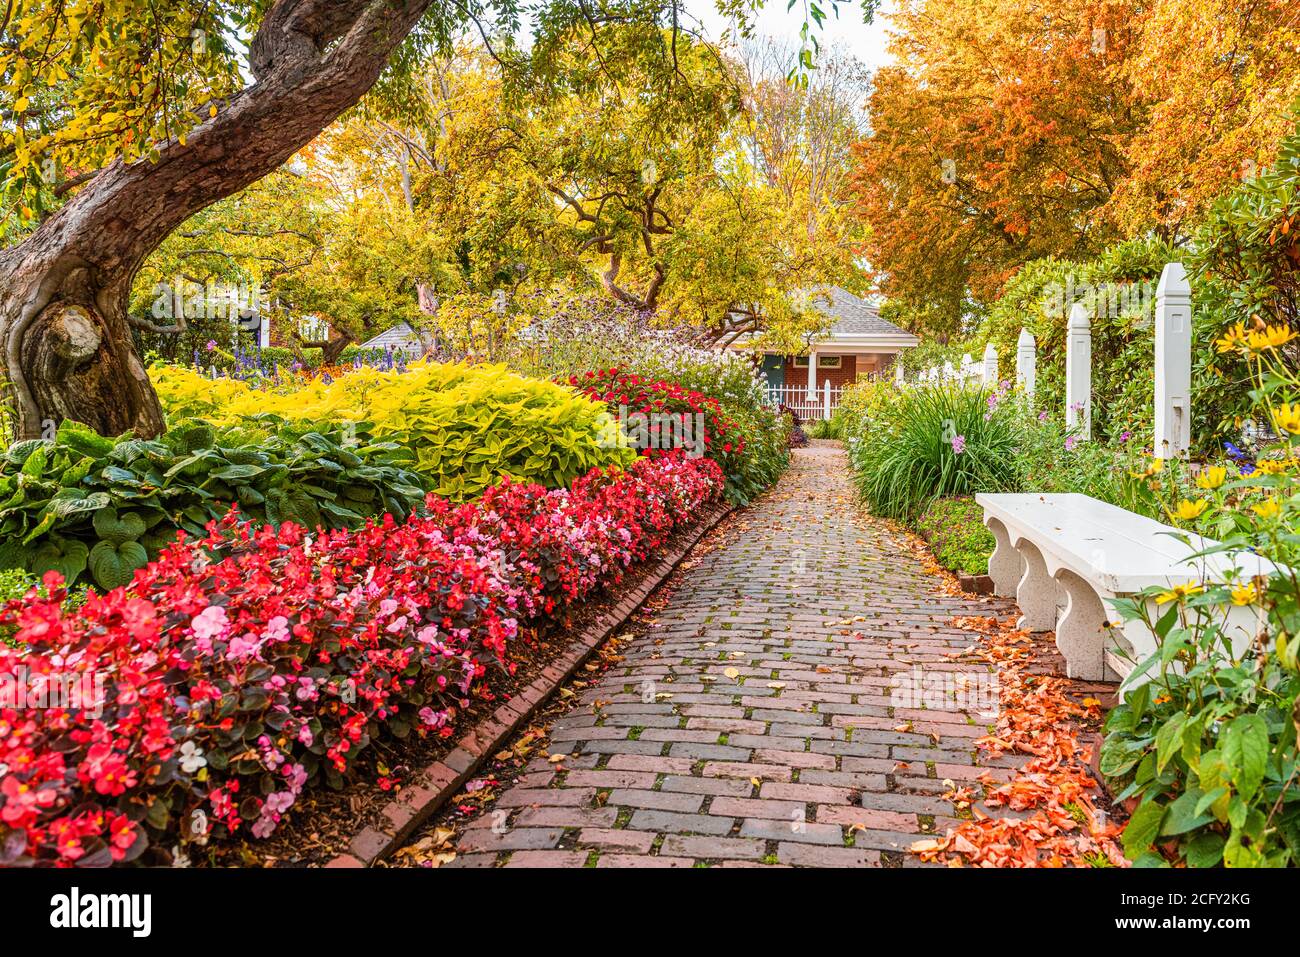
443,778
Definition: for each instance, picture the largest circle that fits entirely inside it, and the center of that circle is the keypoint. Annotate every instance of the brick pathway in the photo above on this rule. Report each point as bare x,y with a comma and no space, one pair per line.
756,721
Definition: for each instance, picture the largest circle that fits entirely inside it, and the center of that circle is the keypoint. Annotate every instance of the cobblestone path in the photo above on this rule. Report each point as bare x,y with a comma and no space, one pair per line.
756,723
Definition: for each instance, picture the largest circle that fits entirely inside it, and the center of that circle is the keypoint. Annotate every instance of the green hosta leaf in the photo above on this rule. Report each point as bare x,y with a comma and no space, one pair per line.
113,565
35,463
118,530
83,439
68,558
232,473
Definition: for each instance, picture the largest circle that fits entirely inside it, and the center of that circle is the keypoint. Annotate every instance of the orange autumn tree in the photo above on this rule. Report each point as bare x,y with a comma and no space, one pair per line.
1009,130
1222,80
996,134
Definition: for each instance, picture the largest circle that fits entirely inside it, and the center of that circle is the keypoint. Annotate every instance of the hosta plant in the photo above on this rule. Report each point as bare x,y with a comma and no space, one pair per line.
95,509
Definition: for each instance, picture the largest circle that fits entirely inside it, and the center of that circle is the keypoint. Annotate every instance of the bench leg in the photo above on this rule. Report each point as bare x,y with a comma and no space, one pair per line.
1036,593
1083,630
1005,564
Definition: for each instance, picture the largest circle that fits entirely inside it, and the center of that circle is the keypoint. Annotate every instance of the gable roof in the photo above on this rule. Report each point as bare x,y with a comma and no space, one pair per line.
400,336
854,316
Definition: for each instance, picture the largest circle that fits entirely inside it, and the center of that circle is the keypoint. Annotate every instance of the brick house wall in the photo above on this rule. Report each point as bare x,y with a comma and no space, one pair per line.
850,367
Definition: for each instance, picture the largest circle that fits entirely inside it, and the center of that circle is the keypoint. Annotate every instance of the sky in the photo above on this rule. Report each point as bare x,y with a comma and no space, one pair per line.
866,43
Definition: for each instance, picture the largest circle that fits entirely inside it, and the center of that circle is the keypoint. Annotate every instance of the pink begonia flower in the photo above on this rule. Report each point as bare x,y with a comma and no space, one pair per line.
958,444
279,802
277,629
243,646
210,622
387,607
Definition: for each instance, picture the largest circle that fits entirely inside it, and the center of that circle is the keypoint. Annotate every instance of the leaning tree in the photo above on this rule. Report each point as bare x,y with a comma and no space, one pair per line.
119,120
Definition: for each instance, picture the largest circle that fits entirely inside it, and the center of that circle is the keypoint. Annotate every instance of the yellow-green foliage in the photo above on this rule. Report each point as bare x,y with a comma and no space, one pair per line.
468,425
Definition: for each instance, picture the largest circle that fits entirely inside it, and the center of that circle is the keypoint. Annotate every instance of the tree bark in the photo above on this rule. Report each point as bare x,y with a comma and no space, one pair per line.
64,290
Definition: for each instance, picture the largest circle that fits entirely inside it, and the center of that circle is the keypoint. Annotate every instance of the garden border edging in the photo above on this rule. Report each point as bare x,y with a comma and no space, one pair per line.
444,777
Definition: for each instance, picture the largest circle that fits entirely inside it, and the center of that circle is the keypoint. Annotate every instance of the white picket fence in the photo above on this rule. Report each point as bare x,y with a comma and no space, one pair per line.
809,406
1173,366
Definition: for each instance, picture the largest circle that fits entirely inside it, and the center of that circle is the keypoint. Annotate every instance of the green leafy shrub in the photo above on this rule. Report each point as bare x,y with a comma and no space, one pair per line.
1118,290
954,527
1208,745
96,509
1242,266
923,442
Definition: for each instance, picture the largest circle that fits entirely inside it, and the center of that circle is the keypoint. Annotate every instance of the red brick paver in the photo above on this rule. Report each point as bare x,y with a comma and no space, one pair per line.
799,701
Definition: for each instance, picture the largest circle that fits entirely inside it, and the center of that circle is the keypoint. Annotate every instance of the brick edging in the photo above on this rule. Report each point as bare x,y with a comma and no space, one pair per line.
444,777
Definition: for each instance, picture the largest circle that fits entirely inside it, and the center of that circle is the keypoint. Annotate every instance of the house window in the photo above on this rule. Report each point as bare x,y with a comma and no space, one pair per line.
823,362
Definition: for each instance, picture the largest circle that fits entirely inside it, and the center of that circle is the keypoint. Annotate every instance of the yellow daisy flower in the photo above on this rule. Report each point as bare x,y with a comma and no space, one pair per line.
1245,594
1287,417
1188,510
1267,508
1232,340
1212,477
1269,338
1179,592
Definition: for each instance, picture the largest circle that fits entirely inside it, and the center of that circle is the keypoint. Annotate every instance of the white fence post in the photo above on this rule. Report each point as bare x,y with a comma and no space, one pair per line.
899,375
990,365
934,373
826,398
1078,372
1026,362
1173,410
949,373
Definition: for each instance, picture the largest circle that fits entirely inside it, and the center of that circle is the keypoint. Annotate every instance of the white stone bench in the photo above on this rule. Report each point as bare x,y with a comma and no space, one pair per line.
1066,557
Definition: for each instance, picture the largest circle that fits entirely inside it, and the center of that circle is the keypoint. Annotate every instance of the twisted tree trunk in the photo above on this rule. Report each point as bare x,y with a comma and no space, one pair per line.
64,290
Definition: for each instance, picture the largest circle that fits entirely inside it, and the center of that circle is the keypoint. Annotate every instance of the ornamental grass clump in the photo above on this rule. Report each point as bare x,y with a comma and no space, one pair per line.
933,440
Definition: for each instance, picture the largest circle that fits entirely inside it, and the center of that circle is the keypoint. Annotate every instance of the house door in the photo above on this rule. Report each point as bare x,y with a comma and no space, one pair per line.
773,370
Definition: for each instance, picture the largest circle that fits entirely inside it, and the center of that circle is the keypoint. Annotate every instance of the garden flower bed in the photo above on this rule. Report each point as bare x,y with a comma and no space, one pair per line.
241,669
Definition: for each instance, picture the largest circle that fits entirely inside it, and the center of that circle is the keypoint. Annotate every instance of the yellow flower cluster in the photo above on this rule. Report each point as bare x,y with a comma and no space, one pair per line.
1240,339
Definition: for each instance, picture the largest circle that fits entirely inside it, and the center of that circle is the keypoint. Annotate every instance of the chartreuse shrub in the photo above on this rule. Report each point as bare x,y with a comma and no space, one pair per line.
914,444
95,509
1208,743
467,426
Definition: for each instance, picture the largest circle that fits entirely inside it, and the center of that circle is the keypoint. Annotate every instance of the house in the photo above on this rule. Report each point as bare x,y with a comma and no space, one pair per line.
400,338
857,343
